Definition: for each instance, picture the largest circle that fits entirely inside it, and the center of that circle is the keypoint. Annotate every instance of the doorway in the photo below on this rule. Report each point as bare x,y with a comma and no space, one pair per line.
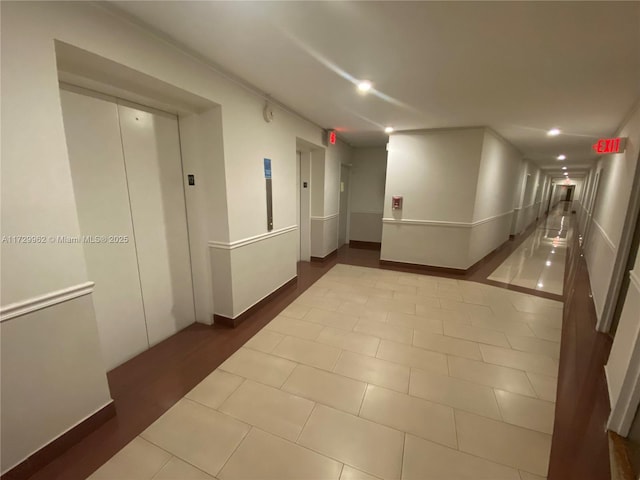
343,227
126,169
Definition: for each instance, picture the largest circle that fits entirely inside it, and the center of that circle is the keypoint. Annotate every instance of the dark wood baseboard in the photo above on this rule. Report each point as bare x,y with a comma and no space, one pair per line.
57,447
234,322
418,266
325,258
365,245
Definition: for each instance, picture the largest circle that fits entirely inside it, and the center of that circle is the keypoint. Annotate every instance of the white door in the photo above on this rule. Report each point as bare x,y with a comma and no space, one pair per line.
102,200
151,146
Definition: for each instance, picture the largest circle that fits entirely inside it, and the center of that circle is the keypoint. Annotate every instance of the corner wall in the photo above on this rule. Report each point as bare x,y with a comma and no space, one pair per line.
458,187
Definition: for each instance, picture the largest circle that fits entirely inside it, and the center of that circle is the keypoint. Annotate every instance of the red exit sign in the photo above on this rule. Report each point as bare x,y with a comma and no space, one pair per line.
610,145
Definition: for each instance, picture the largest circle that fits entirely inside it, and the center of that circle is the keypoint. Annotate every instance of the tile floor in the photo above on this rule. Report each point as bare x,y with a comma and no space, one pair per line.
538,263
371,374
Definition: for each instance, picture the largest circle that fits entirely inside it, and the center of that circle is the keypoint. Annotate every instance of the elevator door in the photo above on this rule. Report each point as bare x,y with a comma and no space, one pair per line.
127,178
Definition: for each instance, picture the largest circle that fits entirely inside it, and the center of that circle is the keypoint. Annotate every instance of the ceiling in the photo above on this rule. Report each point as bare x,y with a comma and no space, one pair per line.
518,67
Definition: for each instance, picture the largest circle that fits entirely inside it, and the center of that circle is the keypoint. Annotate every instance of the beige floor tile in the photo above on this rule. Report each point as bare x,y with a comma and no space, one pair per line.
444,344
258,366
350,473
439,314
363,311
352,297
454,392
530,476
391,305
266,457
396,287
340,320
535,345
413,357
530,362
416,322
503,443
268,408
295,311
425,419
139,459
546,333
526,411
385,330
264,341
327,388
352,341
544,386
331,304
365,445
373,370
294,327
475,334
215,388
508,327
424,460
429,301
197,434
176,469
310,353
492,375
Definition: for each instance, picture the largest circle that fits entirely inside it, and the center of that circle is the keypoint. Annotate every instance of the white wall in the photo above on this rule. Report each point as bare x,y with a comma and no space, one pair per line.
528,197
606,219
458,188
495,191
368,176
604,224
43,202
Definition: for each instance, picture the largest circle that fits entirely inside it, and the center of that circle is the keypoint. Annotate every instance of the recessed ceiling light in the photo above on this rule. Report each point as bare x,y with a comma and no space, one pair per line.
566,174
540,285
548,263
388,130
553,132
364,86
564,168
561,157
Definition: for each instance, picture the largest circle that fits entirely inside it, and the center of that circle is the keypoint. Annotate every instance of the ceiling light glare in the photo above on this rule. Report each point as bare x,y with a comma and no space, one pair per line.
548,263
364,86
564,168
566,174
554,132
562,157
540,285
388,130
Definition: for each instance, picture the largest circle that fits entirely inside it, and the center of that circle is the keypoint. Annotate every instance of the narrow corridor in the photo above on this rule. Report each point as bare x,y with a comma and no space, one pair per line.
539,262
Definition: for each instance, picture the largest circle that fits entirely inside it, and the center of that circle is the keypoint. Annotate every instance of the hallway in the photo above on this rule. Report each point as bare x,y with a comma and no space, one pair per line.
394,375
539,262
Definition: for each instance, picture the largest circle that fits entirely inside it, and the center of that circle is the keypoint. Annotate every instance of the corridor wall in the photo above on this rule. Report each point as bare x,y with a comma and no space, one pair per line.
46,291
368,176
458,187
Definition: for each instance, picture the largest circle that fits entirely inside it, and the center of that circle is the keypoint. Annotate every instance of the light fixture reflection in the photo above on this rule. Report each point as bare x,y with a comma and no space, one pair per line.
554,132
562,157
364,86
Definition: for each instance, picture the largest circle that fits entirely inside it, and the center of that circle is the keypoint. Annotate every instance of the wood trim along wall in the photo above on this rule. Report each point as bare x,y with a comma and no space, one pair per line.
329,256
325,218
33,304
441,223
249,240
64,442
234,322
365,245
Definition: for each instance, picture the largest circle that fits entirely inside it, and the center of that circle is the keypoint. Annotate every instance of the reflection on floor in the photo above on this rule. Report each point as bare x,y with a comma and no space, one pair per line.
371,374
538,263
